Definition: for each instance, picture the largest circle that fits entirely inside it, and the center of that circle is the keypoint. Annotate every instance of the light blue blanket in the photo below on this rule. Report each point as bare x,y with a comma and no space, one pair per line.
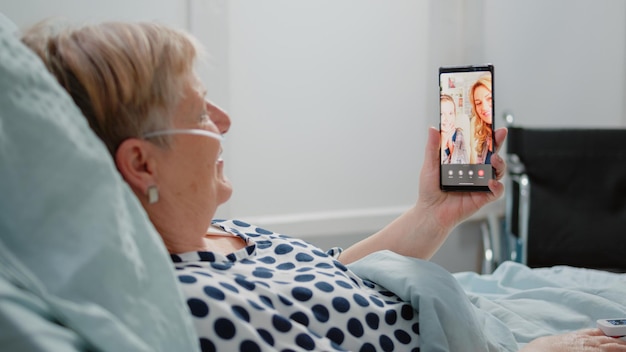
546,301
499,312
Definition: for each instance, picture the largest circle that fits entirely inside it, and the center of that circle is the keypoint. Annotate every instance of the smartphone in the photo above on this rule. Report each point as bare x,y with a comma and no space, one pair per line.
466,107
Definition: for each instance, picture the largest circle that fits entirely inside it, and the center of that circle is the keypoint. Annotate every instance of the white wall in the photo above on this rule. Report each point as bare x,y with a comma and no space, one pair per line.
330,100
27,12
559,62
323,95
327,100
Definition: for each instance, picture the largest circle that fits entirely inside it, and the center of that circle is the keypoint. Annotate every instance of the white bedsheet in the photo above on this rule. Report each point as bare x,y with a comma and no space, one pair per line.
538,302
498,312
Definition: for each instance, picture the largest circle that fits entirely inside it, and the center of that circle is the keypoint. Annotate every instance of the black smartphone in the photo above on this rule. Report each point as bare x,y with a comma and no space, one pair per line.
466,106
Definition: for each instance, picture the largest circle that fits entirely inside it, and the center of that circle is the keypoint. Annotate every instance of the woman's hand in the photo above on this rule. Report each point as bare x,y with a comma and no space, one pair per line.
590,340
421,230
448,209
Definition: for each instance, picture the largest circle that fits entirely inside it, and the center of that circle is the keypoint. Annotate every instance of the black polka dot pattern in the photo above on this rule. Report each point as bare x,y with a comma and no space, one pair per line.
282,294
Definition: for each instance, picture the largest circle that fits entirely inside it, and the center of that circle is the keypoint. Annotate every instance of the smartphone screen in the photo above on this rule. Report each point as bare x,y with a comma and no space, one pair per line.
466,125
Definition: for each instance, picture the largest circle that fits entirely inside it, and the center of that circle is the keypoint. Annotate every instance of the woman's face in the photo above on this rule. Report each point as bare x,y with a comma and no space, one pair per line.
447,115
193,172
482,103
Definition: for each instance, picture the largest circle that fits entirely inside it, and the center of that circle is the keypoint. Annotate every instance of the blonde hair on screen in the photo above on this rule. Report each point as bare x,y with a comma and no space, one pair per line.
482,130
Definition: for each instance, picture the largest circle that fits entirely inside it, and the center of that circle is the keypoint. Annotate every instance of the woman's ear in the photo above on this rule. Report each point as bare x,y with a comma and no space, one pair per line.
135,160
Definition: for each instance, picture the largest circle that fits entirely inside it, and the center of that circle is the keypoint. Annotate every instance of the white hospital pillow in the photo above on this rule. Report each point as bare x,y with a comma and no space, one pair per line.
68,218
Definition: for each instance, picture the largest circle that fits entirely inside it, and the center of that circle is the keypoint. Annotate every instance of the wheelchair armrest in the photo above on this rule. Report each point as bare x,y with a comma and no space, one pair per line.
517,196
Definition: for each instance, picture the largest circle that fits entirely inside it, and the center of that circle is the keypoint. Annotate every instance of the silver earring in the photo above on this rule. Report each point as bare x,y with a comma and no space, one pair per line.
153,194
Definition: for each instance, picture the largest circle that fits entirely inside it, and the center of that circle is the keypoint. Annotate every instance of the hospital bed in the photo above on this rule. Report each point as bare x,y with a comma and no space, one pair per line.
82,268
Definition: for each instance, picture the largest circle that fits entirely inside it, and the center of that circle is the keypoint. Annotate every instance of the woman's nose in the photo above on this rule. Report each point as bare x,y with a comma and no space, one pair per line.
219,117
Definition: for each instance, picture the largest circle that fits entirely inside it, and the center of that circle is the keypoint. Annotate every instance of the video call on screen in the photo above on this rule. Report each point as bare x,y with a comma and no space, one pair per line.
465,97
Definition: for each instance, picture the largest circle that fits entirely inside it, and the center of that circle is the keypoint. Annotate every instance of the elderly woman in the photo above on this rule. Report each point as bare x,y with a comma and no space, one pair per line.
247,288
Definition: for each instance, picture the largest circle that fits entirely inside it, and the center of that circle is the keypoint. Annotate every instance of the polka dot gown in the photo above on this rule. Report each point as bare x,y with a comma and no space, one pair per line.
283,294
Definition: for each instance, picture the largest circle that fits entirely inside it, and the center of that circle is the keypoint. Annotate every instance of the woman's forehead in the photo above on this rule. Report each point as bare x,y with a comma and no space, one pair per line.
192,101
482,89
196,85
195,91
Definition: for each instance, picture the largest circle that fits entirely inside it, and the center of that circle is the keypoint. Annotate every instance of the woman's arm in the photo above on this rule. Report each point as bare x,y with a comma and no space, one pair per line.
591,340
421,230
